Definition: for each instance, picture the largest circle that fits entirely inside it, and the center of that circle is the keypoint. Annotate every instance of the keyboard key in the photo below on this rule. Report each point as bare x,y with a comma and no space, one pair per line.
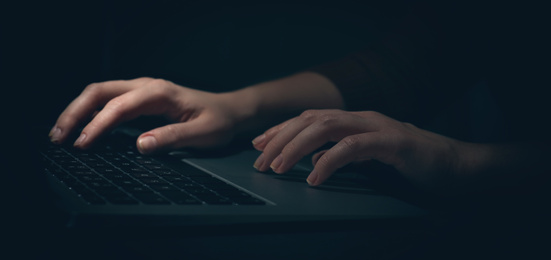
138,189
177,179
98,165
167,173
135,169
124,183
188,186
146,161
83,173
143,175
188,170
108,171
102,185
163,187
117,177
90,178
154,181
155,167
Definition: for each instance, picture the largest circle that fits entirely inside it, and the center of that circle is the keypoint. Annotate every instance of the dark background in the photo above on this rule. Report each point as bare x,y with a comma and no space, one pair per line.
60,47
52,49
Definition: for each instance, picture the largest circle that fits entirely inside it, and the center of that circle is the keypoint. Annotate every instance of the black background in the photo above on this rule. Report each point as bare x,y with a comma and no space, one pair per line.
58,48
52,49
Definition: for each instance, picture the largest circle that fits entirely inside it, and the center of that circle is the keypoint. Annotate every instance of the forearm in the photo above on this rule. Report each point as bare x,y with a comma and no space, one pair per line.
268,103
488,167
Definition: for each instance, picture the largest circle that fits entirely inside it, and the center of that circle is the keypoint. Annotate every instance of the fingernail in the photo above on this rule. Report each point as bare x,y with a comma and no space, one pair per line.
276,163
259,139
259,161
80,139
147,144
55,134
312,178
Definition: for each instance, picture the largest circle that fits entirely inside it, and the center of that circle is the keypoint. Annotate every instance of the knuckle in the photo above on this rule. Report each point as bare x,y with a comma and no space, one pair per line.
290,149
309,114
157,82
94,88
371,113
93,85
116,106
272,147
160,89
328,120
351,142
324,161
271,132
146,79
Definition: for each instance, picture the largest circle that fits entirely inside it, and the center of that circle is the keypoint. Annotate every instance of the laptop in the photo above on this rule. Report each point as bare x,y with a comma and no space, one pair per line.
114,185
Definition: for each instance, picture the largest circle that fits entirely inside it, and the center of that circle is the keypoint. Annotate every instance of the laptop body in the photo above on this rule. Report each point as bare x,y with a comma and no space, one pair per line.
263,197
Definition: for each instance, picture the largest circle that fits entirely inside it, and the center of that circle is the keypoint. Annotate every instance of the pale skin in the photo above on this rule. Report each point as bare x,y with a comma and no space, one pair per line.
204,120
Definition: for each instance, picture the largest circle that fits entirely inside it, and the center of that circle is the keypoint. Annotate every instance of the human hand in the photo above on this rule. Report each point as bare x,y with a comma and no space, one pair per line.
425,158
201,119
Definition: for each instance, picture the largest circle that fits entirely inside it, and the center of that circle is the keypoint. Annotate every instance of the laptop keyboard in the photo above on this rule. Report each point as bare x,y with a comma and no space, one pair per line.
124,176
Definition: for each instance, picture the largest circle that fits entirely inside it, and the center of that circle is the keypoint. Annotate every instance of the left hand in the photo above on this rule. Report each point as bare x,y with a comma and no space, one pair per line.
425,158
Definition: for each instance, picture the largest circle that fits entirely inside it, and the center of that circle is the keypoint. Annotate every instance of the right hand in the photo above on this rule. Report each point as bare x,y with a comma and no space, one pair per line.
201,119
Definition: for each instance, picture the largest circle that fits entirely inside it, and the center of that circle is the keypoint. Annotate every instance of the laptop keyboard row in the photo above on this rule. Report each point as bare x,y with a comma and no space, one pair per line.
127,177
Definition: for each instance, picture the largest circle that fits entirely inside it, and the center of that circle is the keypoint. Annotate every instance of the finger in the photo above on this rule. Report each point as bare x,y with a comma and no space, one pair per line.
317,156
305,142
85,105
330,129
194,133
349,149
276,143
122,108
260,142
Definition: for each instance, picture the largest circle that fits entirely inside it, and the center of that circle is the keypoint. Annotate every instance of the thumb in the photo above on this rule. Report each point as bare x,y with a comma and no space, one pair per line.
201,132
167,137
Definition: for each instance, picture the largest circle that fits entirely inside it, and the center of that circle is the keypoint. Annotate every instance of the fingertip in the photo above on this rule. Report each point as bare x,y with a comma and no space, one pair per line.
276,164
259,162
258,142
259,139
312,179
55,135
79,143
147,144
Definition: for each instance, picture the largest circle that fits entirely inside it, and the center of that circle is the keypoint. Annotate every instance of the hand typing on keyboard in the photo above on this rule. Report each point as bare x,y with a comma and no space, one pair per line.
201,119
